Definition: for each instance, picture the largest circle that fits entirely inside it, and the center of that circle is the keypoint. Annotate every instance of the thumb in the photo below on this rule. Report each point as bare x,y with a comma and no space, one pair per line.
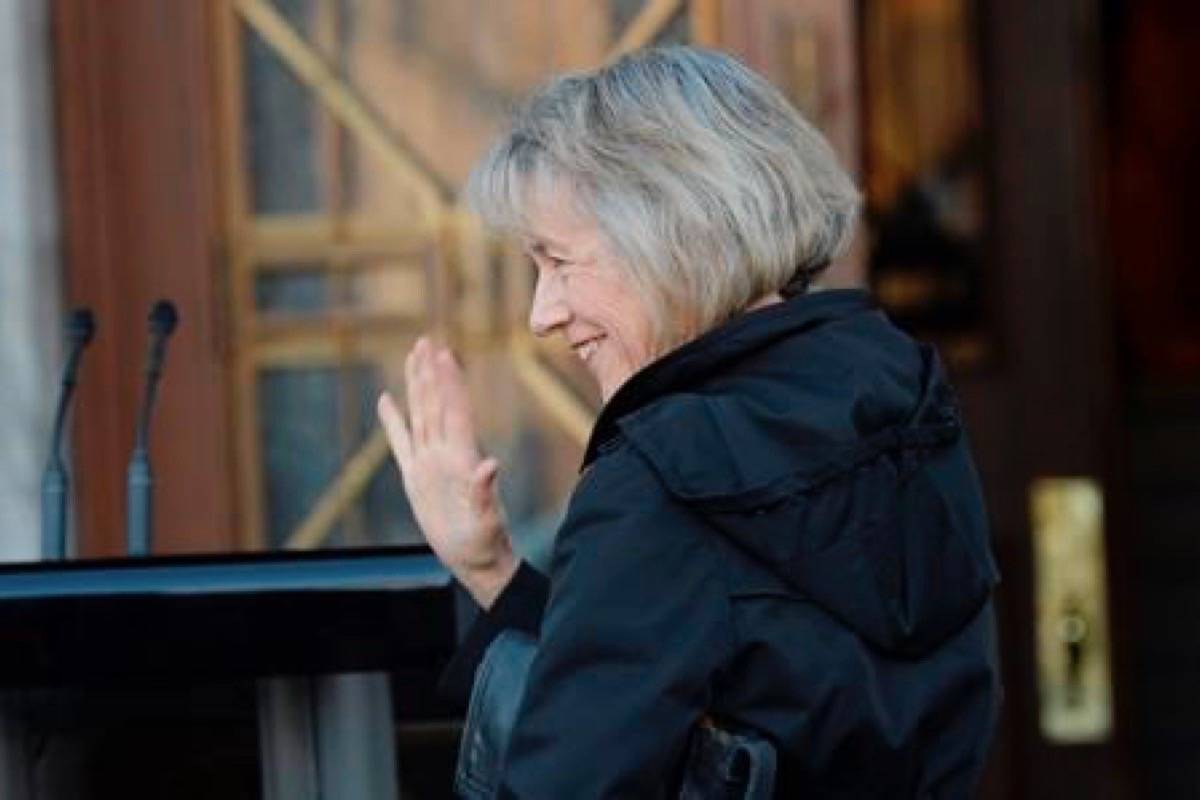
483,487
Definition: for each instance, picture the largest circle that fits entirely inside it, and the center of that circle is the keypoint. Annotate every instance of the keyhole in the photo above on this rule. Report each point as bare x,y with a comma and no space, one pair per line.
1073,629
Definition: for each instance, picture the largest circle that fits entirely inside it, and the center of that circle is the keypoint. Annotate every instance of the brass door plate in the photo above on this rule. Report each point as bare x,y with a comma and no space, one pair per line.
1073,647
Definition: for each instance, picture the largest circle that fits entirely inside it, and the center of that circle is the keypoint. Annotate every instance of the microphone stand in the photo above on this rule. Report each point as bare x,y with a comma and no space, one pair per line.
139,485
80,328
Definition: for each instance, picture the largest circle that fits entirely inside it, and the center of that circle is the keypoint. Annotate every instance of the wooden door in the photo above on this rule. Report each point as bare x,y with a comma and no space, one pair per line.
983,186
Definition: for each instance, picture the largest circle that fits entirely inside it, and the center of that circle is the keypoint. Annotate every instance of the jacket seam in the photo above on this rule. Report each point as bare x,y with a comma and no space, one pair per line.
926,439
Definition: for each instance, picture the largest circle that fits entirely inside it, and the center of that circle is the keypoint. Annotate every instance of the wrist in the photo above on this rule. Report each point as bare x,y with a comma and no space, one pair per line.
485,584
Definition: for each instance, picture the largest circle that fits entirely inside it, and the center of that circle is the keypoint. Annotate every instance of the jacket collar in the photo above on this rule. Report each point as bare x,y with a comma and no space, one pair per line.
714,350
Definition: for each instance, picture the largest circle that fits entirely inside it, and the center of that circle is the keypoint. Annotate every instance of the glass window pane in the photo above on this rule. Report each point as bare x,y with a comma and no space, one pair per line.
281,125
344,277
925,170
296,291
677,31
623,12
313,421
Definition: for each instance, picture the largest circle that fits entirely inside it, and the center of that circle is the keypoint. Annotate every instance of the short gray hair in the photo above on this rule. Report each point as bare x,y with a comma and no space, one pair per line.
706,183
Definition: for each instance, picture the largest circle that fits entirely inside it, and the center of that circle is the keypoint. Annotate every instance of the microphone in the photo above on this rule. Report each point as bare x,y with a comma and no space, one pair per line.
81,327
139,485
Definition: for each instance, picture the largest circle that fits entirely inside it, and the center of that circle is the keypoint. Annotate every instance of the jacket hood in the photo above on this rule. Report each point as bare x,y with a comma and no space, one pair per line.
828,446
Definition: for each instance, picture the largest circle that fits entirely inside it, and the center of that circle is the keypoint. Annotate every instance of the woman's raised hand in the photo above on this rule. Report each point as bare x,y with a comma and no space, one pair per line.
450,486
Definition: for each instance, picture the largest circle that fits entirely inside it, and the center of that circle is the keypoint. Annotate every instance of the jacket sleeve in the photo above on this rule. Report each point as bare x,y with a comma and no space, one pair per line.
519,607
636,629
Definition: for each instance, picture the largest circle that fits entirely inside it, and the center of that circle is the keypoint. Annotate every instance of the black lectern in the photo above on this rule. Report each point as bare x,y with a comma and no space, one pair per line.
319,633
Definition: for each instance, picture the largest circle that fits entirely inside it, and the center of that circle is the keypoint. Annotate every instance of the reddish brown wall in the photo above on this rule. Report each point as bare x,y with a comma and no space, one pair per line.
134,108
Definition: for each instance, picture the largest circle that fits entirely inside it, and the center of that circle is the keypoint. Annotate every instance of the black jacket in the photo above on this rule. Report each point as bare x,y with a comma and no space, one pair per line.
778,526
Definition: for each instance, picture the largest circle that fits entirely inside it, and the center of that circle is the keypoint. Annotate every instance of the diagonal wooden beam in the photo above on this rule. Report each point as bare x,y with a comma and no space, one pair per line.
649,22
570,413
340,494
345,104
705,20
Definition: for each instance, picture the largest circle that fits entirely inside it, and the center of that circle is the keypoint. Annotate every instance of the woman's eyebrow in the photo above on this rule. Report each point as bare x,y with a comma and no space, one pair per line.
543,247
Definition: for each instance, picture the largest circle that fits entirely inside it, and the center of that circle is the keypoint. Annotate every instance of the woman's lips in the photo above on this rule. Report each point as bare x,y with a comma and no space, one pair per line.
587,348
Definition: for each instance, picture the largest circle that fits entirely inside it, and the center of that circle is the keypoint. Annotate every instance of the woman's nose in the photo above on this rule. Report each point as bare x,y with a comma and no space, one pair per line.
549,310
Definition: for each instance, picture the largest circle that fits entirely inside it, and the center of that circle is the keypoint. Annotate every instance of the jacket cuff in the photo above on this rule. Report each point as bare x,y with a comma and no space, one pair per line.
519,606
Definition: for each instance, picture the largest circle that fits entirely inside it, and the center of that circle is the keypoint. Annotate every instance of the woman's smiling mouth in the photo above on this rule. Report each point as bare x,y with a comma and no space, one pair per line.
587,348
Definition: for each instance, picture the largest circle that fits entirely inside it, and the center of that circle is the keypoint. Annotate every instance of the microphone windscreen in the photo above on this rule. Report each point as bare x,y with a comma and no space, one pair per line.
81,326
163,318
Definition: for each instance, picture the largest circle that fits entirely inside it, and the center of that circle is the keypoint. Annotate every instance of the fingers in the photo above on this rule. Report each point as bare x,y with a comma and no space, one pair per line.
457,419
412,387
439,403
424,401
396,430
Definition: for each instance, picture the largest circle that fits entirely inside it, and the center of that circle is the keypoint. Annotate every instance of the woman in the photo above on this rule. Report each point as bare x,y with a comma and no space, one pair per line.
777,530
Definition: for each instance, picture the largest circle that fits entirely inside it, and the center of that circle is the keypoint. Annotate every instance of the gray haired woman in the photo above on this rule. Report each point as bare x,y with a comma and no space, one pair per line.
773,575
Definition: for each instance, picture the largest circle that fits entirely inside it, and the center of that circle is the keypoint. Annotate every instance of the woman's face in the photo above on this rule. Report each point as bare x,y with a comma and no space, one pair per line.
585,295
